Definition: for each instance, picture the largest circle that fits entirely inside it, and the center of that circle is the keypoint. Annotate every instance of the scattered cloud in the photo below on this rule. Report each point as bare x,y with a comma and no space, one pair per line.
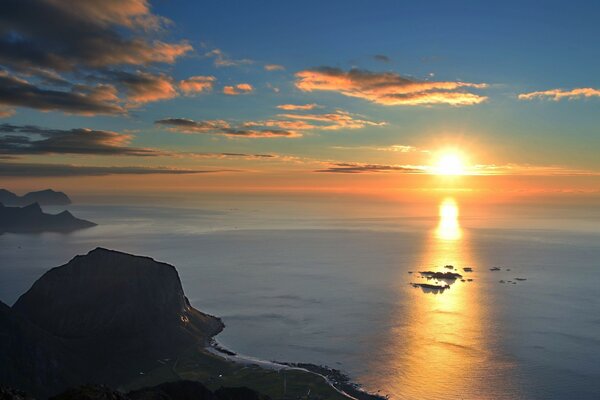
357,168
274,67
388,88
559,94
399,148
184,125
222,60
197,84
15,169
90,34
293,107
240,88
220,127
80,99
285,125
332,121
33,140
382,58
143,87
78,56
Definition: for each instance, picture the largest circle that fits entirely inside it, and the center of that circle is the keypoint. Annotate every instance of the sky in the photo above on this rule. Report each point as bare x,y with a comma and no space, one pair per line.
312,96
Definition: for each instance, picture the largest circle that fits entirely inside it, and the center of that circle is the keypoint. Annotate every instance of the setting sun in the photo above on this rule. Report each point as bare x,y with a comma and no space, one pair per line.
450,163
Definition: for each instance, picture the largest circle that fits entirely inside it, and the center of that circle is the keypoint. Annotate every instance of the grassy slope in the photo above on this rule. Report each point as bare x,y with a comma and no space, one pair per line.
214,372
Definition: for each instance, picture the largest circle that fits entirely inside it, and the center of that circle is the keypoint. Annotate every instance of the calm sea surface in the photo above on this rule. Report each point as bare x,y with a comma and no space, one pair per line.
330,284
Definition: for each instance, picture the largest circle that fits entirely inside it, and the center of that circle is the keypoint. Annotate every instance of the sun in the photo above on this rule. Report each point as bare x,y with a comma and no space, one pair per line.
450,163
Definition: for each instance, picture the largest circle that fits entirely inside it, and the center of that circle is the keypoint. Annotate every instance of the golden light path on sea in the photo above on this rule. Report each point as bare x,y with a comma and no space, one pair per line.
439,347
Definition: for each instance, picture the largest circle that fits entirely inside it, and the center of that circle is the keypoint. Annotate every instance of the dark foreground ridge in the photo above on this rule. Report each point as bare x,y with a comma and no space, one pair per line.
180,390
31,218
122,321
99,318
47,197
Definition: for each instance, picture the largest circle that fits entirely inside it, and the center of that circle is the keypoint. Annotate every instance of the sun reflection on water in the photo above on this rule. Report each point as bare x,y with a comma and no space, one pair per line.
448,227
439,345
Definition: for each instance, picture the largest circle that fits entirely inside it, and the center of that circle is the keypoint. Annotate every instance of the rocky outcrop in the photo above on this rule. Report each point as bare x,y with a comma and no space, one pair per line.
109,315
47,197
31,218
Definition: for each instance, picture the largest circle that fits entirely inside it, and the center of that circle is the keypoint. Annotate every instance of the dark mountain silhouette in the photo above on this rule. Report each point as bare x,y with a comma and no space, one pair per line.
47,197
31,218
100,318
32,357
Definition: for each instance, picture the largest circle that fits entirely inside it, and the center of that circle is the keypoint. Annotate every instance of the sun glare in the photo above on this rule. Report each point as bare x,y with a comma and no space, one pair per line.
450,163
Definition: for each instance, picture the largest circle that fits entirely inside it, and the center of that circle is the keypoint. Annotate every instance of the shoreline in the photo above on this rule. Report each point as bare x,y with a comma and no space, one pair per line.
336,379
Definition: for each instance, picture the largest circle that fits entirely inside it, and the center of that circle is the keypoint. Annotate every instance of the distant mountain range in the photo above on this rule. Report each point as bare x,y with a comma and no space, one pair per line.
47,197
31,219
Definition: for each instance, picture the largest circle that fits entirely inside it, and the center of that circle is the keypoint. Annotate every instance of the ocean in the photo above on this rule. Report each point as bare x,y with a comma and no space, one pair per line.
328,281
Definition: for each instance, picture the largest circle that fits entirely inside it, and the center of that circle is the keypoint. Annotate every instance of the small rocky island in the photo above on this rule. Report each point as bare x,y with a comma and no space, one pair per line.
31,219
46,197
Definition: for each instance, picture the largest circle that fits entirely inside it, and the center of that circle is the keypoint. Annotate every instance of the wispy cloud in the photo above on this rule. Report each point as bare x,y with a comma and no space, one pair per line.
388,88
358,168
398,148
15,169
240,88
559,94
223,60
274,67
293,107
284,125
220,127
332,121
33,140
382,58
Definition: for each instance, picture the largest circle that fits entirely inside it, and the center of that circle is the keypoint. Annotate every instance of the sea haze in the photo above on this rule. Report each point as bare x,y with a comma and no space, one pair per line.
329,284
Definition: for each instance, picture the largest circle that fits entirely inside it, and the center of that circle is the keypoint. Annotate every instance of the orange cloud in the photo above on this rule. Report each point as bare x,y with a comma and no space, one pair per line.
274,67
144,87
388,88
197,84
241,88
334,121
290,107
559,94
6,112
220,127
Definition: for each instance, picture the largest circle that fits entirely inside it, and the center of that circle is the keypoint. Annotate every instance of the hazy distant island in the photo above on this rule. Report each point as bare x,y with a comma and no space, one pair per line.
47,197
123,321
32,219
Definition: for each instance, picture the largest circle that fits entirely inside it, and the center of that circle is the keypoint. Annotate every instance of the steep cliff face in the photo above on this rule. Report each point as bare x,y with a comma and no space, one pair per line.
115,313
31,357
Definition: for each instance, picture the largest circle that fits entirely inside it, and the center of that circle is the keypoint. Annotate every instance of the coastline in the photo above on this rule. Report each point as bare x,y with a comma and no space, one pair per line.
336,379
